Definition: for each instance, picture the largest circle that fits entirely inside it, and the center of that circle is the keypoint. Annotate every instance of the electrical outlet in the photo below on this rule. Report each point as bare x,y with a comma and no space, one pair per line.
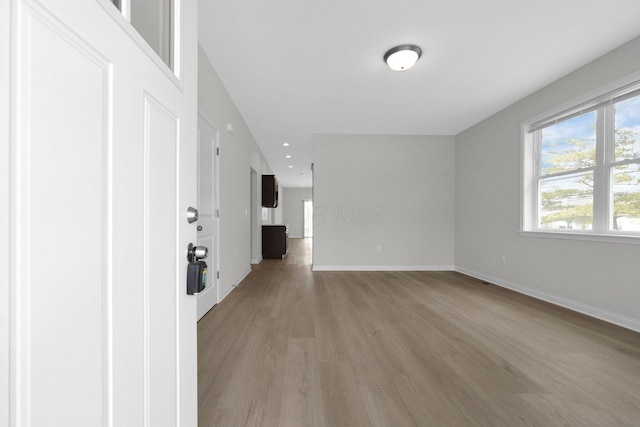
378,249
503,258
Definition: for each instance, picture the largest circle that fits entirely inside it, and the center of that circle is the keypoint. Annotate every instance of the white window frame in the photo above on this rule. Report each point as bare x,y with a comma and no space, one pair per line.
530,158
120,11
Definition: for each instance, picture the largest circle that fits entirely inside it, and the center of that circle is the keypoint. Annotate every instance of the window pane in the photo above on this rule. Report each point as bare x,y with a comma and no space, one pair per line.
628,129
566,202
153,19
626,197
569,145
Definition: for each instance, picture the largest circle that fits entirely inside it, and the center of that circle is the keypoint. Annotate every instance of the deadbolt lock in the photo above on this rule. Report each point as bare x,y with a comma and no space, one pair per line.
192,214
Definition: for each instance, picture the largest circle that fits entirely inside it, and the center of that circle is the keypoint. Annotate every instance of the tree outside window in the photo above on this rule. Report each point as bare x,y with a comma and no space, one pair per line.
568,169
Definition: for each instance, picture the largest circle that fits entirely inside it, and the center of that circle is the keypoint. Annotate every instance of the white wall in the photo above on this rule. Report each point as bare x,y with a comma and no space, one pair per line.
600,279
239,153
293,214
278,213
392,192
398,192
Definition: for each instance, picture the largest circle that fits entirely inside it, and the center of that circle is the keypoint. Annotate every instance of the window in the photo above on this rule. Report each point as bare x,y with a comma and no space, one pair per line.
154,21
581,167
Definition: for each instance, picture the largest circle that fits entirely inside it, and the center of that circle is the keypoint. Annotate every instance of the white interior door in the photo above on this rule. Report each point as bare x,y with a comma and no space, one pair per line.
102,156
208,210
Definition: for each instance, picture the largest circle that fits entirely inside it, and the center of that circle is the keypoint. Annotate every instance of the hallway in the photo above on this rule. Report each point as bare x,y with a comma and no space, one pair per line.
290,347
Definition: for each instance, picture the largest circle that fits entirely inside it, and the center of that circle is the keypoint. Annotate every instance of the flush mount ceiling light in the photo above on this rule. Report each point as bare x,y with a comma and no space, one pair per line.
403,57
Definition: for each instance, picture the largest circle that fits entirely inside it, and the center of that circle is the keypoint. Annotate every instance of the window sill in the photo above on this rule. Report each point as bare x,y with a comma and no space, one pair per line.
591,237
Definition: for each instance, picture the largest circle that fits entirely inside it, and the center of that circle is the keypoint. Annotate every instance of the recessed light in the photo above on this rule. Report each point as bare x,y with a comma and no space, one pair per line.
288,156
286,144
290,166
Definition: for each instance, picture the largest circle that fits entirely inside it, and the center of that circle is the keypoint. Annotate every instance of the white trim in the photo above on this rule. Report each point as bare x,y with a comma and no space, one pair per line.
596,312
383,268
255,261
222,297
125,23
108,310
7,305
612,86
530,174
586,236
148,104
235,285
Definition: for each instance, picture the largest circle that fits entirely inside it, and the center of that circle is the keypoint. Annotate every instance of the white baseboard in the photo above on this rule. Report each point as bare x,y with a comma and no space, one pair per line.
383,267
595,312
598,313
256,261
234,285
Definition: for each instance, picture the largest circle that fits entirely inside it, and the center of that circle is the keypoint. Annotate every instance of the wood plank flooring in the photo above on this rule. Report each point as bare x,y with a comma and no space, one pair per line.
292,347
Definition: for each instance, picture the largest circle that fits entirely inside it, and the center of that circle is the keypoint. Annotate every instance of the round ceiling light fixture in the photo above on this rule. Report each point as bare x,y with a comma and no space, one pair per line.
403,57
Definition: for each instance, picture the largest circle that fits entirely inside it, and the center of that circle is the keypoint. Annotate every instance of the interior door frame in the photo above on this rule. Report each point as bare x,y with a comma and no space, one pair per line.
5,167
213,275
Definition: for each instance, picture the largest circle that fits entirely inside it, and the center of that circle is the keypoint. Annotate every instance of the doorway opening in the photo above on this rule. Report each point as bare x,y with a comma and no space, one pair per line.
308,218
256,219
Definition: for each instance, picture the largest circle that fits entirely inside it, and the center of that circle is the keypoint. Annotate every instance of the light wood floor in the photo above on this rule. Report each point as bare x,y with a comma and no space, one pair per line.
290,347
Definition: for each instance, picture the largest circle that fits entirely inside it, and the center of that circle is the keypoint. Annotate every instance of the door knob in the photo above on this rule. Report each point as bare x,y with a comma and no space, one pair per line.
195,253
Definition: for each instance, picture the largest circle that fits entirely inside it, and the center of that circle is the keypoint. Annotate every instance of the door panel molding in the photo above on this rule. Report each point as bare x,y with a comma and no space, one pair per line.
77,223
161,154
5,229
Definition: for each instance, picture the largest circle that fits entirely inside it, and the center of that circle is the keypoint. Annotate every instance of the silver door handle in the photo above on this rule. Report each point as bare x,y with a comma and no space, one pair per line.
196,253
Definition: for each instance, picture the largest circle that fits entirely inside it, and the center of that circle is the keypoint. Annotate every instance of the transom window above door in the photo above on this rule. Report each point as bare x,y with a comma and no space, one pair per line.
154,21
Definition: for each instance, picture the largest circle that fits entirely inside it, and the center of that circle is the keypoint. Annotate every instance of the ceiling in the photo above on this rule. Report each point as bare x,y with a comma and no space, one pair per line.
299,67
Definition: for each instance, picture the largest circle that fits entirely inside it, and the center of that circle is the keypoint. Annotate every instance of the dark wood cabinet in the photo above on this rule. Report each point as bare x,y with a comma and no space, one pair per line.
269,191
274,241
